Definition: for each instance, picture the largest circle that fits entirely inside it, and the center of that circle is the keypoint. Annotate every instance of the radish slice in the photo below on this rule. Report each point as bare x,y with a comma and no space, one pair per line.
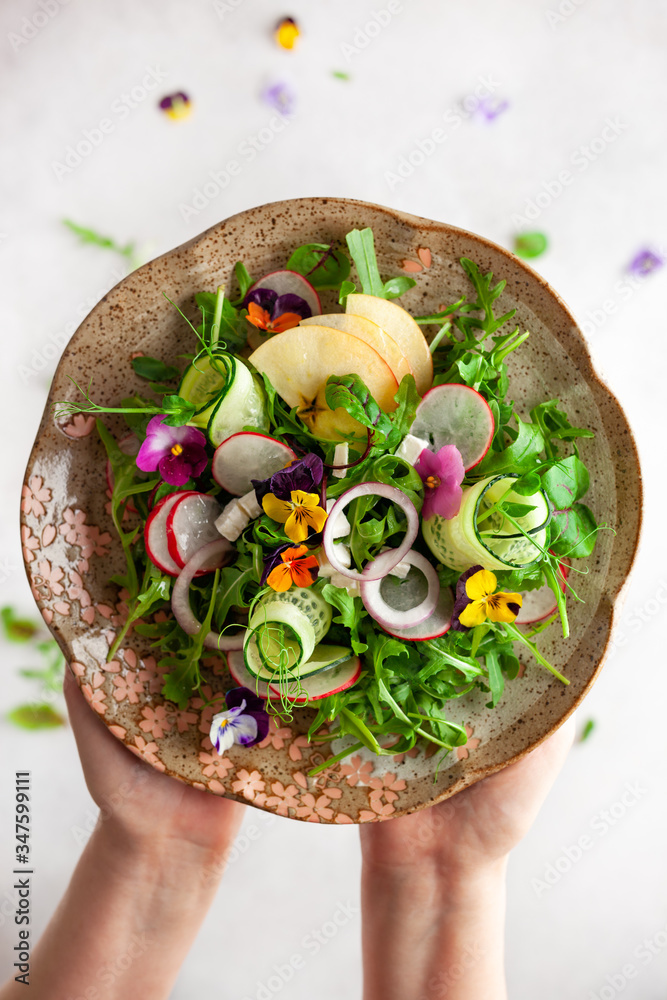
286,282
242,676
245,456
213,553
434,626
327,682
540,604
191,524
415,610
458,415
155,535
129,445
380,566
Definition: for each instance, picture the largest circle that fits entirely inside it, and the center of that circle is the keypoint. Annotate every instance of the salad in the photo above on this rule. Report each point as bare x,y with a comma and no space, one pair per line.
346,505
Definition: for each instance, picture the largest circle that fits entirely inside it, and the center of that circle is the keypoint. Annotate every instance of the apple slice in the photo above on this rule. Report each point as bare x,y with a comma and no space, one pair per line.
299,361
398,324
364,329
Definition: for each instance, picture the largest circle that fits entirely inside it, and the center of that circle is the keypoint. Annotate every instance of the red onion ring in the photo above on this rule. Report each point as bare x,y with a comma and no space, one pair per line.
381,565
180,595
389,617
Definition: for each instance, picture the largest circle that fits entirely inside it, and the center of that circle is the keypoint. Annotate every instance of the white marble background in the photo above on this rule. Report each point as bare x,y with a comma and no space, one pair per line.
566,67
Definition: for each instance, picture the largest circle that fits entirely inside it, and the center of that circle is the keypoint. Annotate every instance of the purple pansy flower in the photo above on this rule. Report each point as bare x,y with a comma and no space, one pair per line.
177,453
245,721
442,475
305,475
275,313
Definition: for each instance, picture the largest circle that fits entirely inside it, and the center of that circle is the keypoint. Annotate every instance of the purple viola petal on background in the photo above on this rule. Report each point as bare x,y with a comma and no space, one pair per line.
280,96
291,303
306,475
461,599
265,298
236,696
645,262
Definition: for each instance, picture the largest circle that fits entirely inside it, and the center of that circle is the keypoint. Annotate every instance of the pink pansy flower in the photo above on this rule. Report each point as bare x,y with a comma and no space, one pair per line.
177,453
442,475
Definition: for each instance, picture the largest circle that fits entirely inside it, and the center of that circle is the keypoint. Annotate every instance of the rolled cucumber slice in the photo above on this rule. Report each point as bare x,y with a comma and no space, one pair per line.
493,541
203,384
242,403
290,623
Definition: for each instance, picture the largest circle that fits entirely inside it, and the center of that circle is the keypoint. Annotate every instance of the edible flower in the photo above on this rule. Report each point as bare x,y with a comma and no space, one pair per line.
476,600
176,105
442,475
281,97
275,313
303,474
290,565
286,33
645,262
301,512
245,721
178,453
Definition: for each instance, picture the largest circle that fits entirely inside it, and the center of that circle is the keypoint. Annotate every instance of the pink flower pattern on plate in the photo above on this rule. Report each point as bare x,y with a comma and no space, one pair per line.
463,753
34,495
156,721
249,784
357,771
283,798
214,765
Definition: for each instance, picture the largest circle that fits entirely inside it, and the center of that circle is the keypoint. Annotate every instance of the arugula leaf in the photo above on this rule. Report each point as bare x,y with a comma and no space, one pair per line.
519,456
555,426
323,266
352,394
574,531
351,612
362,250
154,370
244,280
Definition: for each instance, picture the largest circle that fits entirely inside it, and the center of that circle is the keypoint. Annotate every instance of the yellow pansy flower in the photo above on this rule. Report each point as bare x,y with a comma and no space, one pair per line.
301,512
484,603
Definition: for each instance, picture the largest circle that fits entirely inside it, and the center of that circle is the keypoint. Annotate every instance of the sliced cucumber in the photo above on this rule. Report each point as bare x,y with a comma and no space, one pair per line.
203,383
242,403
494,542
291,623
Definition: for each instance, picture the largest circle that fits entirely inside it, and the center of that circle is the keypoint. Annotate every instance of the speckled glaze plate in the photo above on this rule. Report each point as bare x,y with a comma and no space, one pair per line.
70,550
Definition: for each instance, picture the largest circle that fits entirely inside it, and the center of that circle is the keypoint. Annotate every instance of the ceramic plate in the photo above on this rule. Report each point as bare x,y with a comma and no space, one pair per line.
70,549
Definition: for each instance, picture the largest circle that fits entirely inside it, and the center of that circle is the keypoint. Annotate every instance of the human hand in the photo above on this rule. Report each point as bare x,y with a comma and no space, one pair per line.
479,826
144,807
433,884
